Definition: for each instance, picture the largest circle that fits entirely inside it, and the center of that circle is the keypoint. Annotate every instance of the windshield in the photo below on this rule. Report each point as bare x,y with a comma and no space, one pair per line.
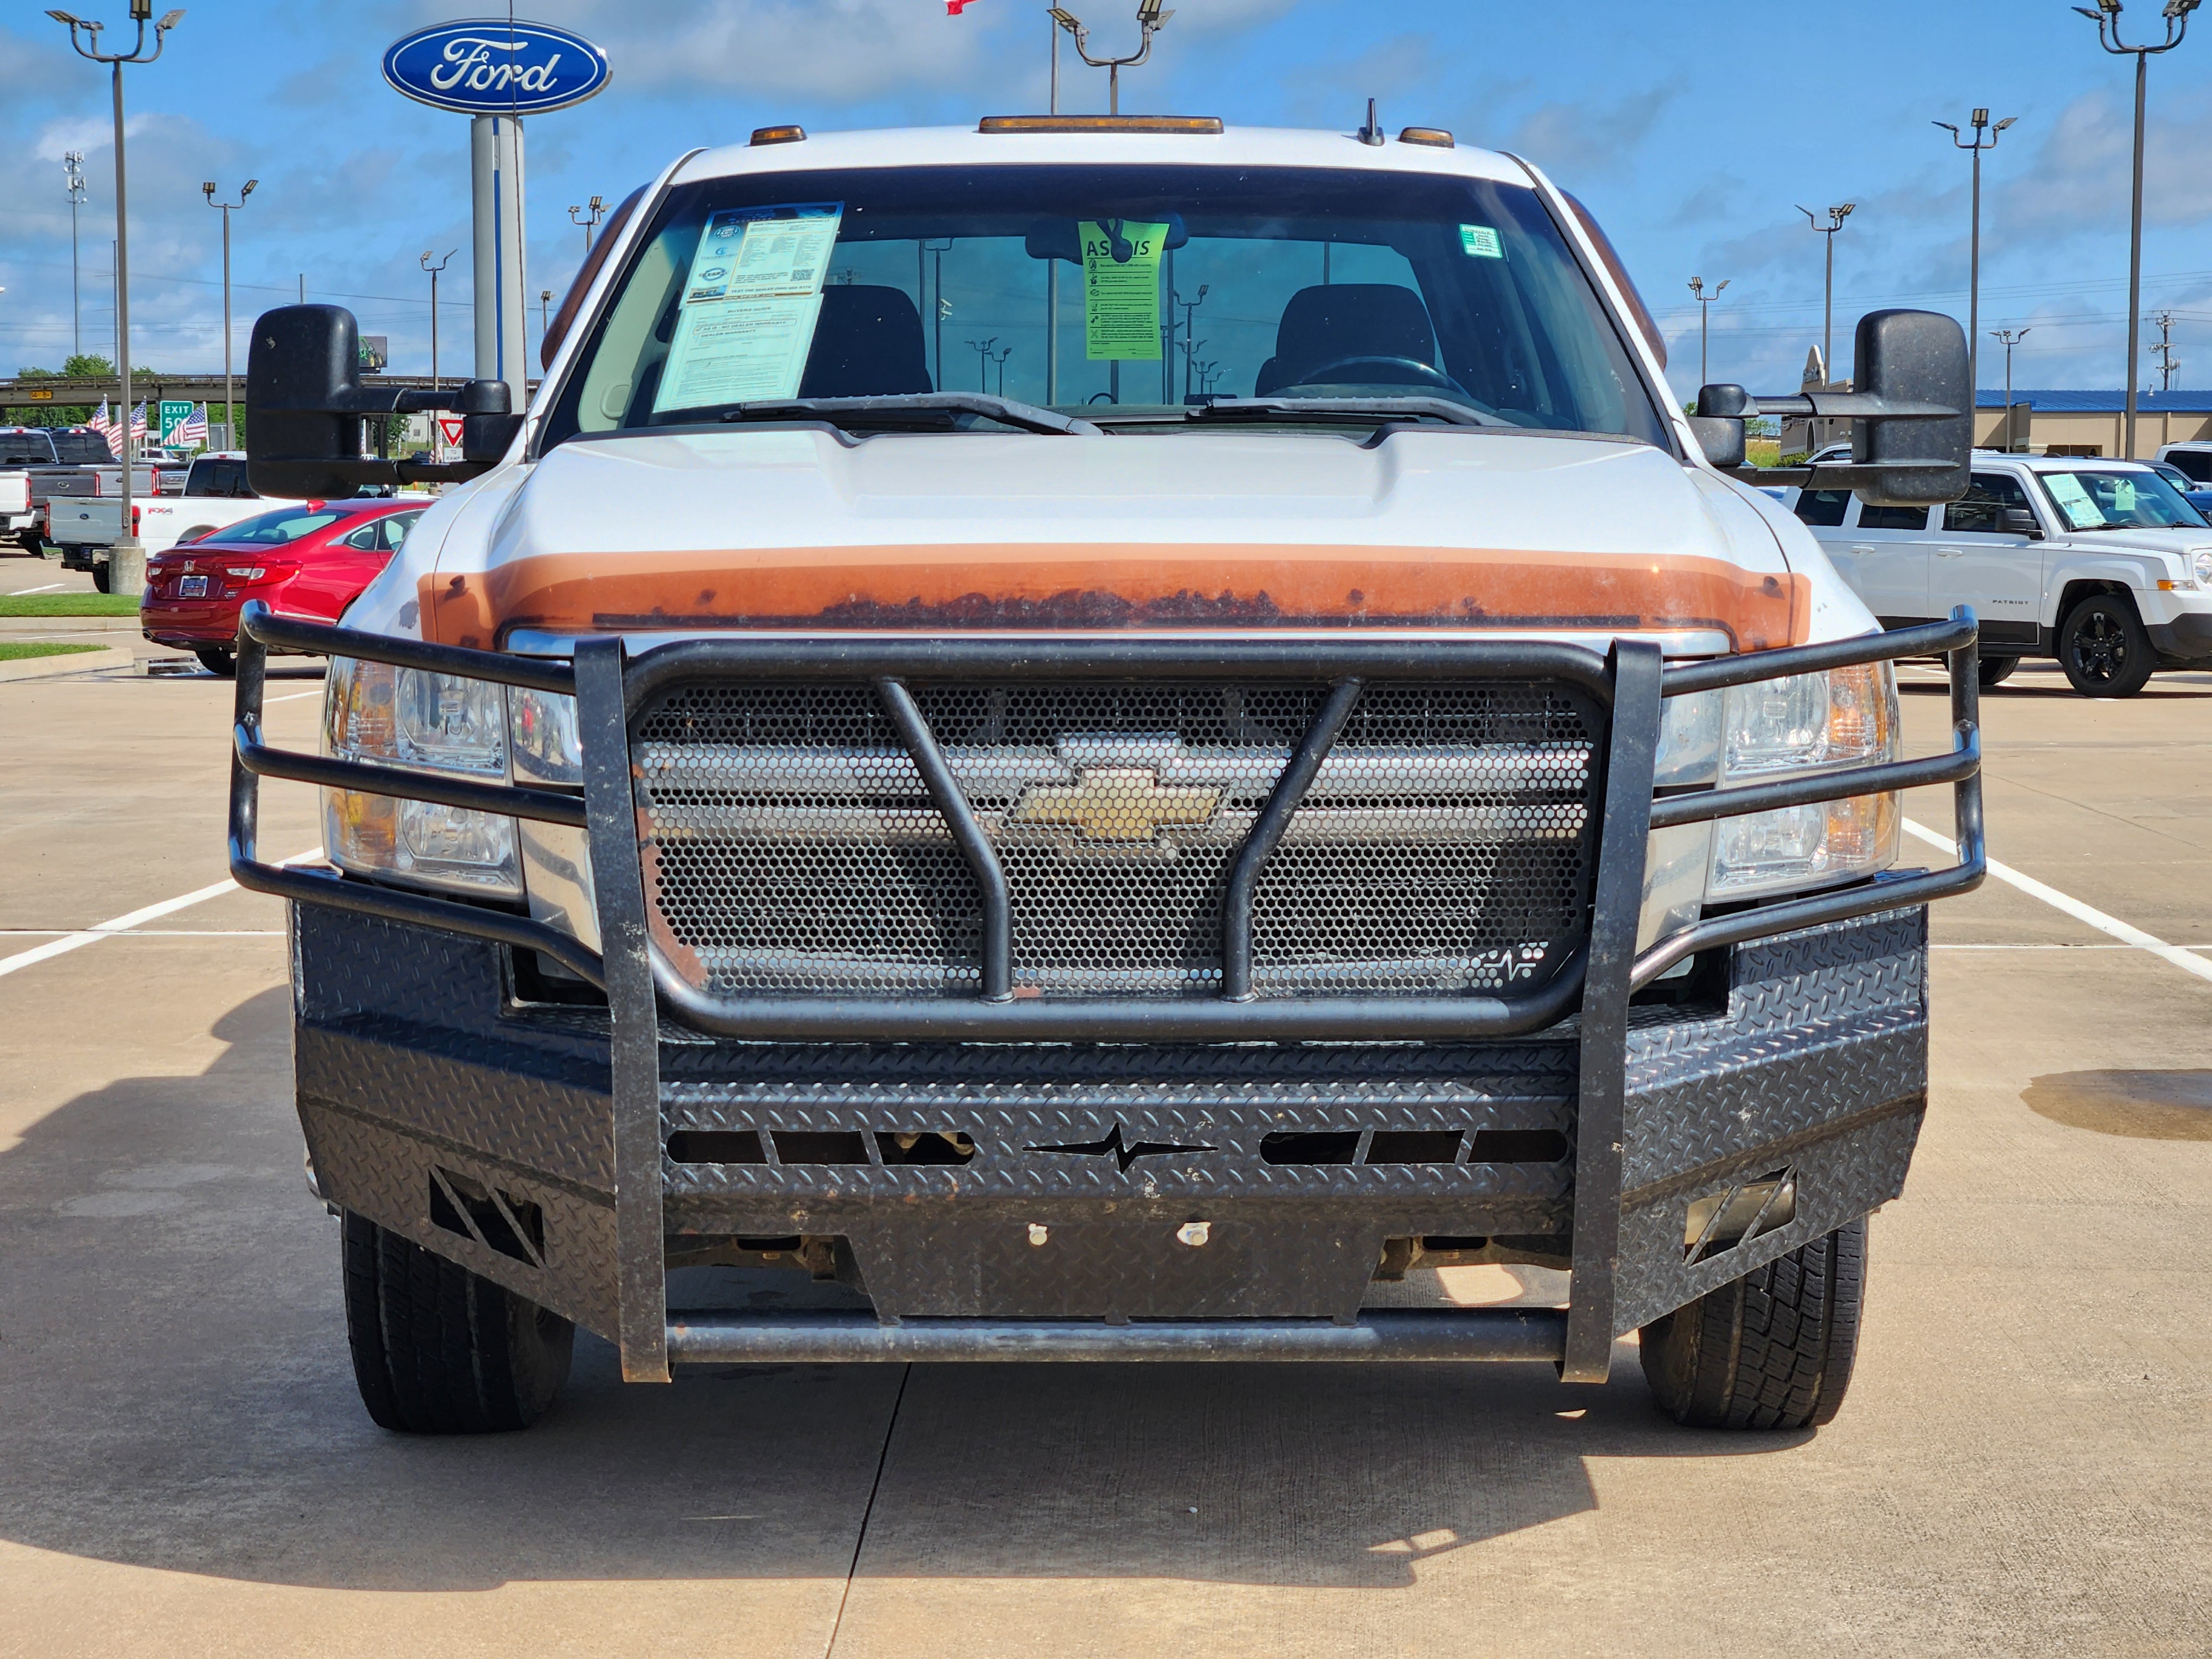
1099,290
2134,500
275,529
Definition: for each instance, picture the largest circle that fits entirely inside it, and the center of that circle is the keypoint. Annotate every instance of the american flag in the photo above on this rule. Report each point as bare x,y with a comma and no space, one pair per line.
101,423
138,421
194,430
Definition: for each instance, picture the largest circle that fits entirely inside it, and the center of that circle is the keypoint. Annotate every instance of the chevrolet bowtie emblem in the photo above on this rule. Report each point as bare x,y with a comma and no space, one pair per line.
1117,803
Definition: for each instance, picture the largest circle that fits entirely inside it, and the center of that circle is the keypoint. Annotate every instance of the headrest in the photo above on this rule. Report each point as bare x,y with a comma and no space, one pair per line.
868,343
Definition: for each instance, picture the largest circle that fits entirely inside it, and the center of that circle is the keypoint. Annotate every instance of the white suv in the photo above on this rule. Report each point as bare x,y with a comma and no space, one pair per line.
2099,563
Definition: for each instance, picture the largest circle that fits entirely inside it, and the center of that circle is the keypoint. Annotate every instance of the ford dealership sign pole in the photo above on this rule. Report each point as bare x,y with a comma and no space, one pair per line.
497,71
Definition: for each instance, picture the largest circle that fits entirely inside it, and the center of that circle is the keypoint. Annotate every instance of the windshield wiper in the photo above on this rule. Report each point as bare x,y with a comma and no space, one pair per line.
1342,408
889,411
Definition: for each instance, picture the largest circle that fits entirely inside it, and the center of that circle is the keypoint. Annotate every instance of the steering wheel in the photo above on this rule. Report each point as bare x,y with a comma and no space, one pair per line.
1418,372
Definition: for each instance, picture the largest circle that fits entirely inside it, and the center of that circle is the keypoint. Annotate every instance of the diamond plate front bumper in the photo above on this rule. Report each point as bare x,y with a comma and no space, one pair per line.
1226,1176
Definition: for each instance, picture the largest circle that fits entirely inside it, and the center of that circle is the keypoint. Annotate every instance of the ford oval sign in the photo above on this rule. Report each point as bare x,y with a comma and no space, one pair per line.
493,67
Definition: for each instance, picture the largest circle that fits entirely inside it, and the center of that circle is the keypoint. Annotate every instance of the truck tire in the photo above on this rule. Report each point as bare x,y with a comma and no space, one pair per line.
1772,1350
2103,648
439,1349
99,577
1996,670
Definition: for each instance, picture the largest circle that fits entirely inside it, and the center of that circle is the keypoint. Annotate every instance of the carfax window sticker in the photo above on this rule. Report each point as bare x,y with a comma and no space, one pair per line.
1481,242
750,304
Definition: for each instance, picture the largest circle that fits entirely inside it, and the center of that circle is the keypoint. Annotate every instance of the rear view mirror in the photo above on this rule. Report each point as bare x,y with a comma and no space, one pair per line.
1908,360
305,402
2020,521
1911,416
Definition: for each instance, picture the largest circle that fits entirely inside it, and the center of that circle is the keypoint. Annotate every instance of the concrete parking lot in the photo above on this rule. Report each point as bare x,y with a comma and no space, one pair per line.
184,1464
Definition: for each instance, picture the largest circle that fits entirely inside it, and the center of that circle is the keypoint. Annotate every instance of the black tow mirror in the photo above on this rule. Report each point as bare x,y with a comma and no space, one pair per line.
305,404
1911,418
1913,361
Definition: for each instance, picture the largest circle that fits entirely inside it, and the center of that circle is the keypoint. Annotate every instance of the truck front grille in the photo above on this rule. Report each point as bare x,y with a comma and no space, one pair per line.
791,847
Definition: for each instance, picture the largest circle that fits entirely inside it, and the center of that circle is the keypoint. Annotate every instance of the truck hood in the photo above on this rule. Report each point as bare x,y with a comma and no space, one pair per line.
2181,541
801,529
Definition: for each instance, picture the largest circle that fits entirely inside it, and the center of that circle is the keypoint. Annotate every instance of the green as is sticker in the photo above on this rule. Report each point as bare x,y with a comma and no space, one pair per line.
1481,242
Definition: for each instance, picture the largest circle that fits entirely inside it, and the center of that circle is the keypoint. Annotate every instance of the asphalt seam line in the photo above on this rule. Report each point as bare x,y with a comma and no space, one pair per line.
123,924
2126,932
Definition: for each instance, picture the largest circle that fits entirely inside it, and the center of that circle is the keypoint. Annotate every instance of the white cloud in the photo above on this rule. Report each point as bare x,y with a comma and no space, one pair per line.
84,135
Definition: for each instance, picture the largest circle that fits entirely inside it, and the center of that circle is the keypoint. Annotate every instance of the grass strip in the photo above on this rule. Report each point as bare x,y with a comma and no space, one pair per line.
69,604
17,650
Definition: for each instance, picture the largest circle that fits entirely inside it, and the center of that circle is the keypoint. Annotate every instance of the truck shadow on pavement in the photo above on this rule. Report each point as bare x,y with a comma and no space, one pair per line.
175,1394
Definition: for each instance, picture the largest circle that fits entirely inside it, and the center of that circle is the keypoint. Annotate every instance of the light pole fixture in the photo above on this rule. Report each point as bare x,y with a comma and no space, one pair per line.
1704,321
1985,137
126,559
2009,339
1189,308
229,403
999,358
433,270
544,311
982,348
1836,217
73,174
1150,19
593,212
2107,17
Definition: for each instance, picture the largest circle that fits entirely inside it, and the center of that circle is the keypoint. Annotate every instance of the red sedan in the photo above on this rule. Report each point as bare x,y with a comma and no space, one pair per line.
310,561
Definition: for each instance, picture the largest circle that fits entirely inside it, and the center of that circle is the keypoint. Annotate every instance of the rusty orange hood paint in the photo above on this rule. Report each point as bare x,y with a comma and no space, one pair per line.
795,529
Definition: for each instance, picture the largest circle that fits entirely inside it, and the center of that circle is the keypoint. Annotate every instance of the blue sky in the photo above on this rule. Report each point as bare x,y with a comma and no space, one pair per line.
1692,132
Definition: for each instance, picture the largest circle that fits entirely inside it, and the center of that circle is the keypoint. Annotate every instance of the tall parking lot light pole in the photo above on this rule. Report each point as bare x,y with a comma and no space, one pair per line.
1704,320
433,270
2107,17
1150,19
126,559
1979,121
229,409
73,171
2009,340
1836,217
593,212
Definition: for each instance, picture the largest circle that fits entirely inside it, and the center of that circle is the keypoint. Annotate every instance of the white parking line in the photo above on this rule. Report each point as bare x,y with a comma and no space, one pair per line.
48,588
2125,933
123,924
294,697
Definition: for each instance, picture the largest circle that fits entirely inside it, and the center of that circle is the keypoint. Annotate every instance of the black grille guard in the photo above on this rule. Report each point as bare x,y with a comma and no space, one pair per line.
1596,981
1629,682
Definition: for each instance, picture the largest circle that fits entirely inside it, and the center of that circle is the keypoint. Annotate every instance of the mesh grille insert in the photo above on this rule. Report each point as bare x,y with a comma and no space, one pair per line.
1447,844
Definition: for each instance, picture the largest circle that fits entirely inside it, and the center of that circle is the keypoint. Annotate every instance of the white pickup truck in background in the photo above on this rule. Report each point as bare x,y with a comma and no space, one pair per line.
215,494
2100,563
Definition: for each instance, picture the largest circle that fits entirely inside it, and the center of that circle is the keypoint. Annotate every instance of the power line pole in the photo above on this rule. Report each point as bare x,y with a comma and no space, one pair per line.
73,171
229,403
2107,17
1979,121
2167,364
1704,321
433,270
126,559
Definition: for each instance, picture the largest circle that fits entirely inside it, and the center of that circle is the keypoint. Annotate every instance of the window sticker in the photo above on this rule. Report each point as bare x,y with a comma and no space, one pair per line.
2073,500
1121,289
749,304
1481,242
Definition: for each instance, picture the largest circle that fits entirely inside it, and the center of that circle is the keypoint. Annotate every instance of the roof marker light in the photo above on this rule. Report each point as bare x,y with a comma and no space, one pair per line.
792,134
1436,136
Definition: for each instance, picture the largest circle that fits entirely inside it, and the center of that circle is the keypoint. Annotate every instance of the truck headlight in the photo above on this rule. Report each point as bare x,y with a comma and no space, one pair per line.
425,722
2200,562
1807,723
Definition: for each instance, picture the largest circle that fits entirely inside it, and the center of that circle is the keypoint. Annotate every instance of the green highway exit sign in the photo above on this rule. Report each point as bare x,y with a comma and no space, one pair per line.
174,414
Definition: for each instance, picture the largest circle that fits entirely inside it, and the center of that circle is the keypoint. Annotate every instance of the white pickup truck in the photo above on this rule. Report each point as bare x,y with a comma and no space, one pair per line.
2100,563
